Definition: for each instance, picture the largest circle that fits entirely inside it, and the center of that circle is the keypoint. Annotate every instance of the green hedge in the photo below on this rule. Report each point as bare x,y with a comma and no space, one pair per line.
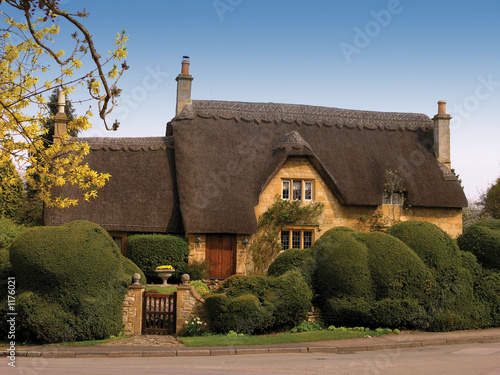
342,265
433,245
483,240
71,282
292,299
396,271
416,275
243,314
389,313
238,285
398,313
347,311
8,232
248,304
295,259
488,293
149,251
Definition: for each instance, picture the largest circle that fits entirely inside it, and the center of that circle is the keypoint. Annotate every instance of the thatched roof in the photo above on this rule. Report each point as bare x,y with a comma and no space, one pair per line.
141,195
227,151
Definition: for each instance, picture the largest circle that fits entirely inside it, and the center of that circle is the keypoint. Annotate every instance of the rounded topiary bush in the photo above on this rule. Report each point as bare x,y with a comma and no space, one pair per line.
398,313
258,303
454,295
488,292
348,311
295,259
396,271
242,314
433,245
238,285
292,299
342,265
149,251
483,240
72,281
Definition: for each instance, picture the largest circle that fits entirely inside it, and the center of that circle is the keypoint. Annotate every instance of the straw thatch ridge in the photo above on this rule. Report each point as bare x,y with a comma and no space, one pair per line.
305,115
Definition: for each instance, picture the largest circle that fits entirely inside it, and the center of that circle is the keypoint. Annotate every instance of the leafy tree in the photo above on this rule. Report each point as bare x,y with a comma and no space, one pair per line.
31,213
473,213
28,49
492,200
11,190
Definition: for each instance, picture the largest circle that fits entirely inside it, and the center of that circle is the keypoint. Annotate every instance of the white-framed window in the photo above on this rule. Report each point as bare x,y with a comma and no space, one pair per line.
395,198
285,190
296,239
297,189
308,193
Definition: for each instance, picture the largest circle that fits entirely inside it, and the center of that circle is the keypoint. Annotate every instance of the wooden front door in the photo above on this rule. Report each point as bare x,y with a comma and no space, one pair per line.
221,255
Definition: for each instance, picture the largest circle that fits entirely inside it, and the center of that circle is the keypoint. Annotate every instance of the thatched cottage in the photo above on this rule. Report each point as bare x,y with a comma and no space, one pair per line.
221,165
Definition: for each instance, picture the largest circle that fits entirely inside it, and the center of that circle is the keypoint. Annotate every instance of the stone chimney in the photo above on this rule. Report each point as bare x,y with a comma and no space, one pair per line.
61,120
442,135
183,87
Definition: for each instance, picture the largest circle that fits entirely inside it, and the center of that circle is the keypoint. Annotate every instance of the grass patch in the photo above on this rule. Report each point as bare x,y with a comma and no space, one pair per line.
161,289
278,338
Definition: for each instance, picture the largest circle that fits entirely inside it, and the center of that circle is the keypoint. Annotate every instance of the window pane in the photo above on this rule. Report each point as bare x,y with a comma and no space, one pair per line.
297,190
308,191
307,240
296,240
285,240
286,190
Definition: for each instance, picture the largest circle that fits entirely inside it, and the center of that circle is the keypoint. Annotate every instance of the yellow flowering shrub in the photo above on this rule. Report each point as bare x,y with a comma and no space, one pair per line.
27,56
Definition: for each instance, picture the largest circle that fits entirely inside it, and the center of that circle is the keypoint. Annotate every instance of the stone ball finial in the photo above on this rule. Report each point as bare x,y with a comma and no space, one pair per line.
136,278
185,279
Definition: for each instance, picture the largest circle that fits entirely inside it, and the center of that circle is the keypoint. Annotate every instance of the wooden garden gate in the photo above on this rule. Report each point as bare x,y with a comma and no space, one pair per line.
159,313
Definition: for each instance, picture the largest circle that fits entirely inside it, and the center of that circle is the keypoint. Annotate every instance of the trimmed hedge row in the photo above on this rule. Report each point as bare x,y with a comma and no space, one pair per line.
149,251
396,271
249,304
71,283
342,265
295,259
483,240
412,276
390,313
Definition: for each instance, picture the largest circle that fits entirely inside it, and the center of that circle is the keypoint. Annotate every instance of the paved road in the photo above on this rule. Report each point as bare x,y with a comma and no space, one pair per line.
476,359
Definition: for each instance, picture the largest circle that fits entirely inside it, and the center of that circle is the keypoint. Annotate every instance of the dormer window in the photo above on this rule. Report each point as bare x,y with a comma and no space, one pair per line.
395,198
297,190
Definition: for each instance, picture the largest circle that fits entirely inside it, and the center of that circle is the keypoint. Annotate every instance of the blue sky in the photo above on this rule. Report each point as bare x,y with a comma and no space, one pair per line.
382,55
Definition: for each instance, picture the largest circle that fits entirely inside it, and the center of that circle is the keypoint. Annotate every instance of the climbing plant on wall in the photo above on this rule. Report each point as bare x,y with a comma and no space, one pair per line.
266,244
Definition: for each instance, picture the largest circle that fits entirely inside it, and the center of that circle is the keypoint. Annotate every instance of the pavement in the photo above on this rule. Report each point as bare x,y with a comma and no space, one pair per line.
407,339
